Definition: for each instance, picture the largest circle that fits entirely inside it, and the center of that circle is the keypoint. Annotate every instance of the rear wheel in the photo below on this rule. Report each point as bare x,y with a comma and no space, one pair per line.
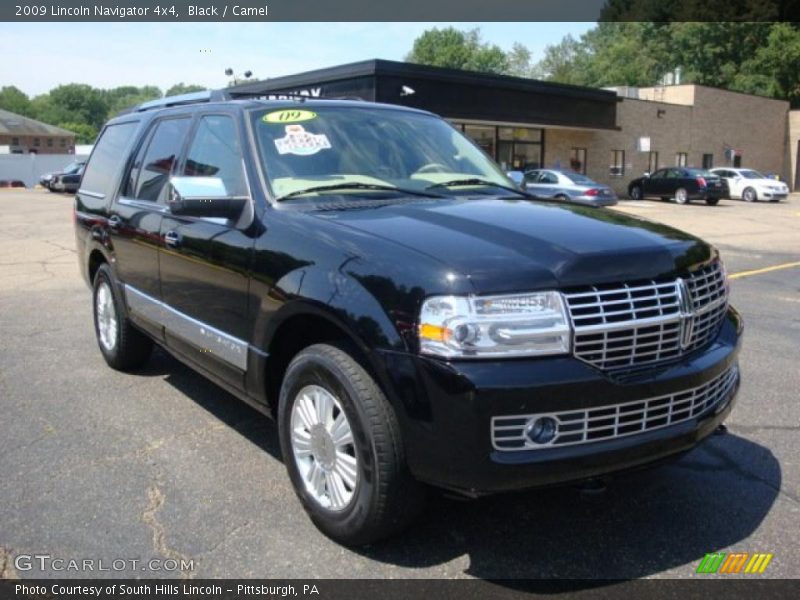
712,201
749,195
342,447
681,196
123,346
561,197
635,192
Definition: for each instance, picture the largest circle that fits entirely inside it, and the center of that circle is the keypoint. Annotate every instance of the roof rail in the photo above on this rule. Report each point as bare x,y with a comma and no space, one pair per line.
191,98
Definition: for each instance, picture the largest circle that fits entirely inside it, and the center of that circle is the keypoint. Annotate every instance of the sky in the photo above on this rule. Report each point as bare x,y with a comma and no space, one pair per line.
40,56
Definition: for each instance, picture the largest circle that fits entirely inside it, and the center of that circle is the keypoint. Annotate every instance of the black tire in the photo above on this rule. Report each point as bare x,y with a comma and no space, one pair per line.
386,498
712,201
561,197
749,195
131,348
681,196
635,192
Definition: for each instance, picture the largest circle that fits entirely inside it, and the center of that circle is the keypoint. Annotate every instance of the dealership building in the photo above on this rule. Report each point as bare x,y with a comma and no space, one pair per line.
611,135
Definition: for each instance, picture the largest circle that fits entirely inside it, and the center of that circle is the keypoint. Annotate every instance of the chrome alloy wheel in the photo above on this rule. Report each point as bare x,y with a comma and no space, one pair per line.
323,447
106,316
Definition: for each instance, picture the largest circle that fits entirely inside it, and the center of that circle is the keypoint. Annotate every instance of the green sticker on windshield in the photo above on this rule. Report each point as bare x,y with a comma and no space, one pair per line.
291,115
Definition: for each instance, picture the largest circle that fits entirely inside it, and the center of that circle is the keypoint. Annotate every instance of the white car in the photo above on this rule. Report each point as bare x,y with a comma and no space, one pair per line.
750,185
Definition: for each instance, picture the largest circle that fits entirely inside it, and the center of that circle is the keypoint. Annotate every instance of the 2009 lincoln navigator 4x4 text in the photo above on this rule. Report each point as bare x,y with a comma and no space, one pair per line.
367,276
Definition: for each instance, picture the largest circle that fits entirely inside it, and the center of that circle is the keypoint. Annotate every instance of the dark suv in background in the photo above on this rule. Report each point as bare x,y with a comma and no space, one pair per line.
367,276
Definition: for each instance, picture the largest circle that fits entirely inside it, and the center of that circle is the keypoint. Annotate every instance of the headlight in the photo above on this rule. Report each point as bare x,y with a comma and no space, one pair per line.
492,326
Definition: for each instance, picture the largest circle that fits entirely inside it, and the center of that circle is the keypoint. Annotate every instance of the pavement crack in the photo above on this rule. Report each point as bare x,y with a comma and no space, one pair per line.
155,501
7,570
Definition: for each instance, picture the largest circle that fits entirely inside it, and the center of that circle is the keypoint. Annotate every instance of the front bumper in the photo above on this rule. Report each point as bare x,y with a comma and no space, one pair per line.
449,409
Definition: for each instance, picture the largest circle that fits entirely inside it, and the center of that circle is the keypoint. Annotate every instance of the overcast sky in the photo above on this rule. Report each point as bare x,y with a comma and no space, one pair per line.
39,56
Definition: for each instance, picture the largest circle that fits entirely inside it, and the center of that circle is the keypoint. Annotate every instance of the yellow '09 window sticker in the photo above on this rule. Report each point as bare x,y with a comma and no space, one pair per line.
289,115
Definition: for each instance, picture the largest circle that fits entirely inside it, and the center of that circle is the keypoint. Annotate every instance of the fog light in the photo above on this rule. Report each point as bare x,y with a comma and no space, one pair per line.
541,430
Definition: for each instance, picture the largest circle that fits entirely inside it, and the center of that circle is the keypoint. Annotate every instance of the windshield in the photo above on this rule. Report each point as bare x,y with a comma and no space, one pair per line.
702,173
371,148
750,174
72,168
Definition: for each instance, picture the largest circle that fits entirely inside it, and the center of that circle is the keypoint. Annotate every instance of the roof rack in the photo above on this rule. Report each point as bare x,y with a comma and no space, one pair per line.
224,95
191,98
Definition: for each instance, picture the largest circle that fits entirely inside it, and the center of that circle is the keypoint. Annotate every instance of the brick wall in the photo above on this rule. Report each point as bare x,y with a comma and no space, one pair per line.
46,144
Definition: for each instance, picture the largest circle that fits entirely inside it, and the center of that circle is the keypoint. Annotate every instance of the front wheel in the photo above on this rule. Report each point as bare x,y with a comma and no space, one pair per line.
712,201
749,195
635,192
341,444
681,196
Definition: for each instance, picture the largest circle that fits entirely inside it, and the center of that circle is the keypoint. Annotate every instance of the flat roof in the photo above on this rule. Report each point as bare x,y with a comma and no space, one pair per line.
376,66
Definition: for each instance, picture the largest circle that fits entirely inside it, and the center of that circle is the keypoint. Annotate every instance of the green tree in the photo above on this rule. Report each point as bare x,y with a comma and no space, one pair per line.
14,100
79,103
123,97
84,134
183,88
456,49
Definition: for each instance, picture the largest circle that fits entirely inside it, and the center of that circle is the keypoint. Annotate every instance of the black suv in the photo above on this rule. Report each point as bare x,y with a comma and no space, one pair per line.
367,276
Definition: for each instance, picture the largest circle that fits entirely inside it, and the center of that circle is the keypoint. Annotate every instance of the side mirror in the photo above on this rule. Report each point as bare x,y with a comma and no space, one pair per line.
203,197
646,174
516,176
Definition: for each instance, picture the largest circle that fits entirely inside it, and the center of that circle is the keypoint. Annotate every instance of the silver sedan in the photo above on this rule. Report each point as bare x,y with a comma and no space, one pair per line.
568,185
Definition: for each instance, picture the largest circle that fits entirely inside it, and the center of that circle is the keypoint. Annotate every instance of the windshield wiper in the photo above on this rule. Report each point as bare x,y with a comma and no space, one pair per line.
355,185
478,181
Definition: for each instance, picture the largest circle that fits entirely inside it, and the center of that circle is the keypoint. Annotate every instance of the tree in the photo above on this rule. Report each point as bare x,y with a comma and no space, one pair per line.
456,49
79,103
84,134
14,100
123,97
182,88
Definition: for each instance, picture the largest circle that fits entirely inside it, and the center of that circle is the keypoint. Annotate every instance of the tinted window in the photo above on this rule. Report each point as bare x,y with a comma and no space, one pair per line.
110,151
155,163
215,152
578,178
531,176
548,177
659,174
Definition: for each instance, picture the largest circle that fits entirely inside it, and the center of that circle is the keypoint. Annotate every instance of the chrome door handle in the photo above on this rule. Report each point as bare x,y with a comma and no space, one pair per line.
172,239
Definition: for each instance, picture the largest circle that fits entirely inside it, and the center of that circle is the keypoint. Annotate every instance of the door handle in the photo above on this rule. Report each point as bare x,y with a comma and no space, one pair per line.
172,239
114,221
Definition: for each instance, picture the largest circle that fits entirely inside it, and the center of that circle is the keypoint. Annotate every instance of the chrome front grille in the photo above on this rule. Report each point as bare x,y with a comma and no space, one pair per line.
630,324
510,433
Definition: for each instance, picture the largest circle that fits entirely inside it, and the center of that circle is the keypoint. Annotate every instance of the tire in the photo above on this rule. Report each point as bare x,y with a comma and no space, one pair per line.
561,198
382,498
749,195
635,192
123,347
681,196
712,201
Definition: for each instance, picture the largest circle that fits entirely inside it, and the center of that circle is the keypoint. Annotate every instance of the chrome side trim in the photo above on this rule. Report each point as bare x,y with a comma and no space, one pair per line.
218,343
97,195
143,204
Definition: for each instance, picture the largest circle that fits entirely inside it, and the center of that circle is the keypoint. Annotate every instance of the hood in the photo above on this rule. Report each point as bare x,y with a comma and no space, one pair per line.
513,245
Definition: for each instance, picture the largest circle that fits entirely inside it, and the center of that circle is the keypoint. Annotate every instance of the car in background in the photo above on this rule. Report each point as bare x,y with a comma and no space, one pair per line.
751,185
12,183
67,182
47,179
684,184
568,185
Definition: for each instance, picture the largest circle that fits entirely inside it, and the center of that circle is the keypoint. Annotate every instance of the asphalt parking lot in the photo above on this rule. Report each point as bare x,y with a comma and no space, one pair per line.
162,464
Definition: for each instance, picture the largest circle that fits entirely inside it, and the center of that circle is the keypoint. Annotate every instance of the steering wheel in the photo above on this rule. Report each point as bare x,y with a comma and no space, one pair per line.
433,168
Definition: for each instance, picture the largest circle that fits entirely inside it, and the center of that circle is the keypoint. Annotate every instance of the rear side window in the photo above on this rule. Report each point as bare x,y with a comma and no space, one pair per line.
110,152
156,159
215,152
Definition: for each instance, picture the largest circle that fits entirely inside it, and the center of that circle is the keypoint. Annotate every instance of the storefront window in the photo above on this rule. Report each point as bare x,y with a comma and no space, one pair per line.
708,161
652,162
617,166
577,160
483,136
520,134
681,159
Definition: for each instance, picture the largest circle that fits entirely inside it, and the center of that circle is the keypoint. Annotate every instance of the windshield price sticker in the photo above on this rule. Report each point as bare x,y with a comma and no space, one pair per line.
289,116
300,142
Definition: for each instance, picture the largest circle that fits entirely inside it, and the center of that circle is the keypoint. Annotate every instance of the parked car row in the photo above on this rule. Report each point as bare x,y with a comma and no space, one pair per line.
66,180
751,185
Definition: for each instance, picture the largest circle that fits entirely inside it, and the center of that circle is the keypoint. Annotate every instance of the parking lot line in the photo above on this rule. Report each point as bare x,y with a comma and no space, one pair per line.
764,270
